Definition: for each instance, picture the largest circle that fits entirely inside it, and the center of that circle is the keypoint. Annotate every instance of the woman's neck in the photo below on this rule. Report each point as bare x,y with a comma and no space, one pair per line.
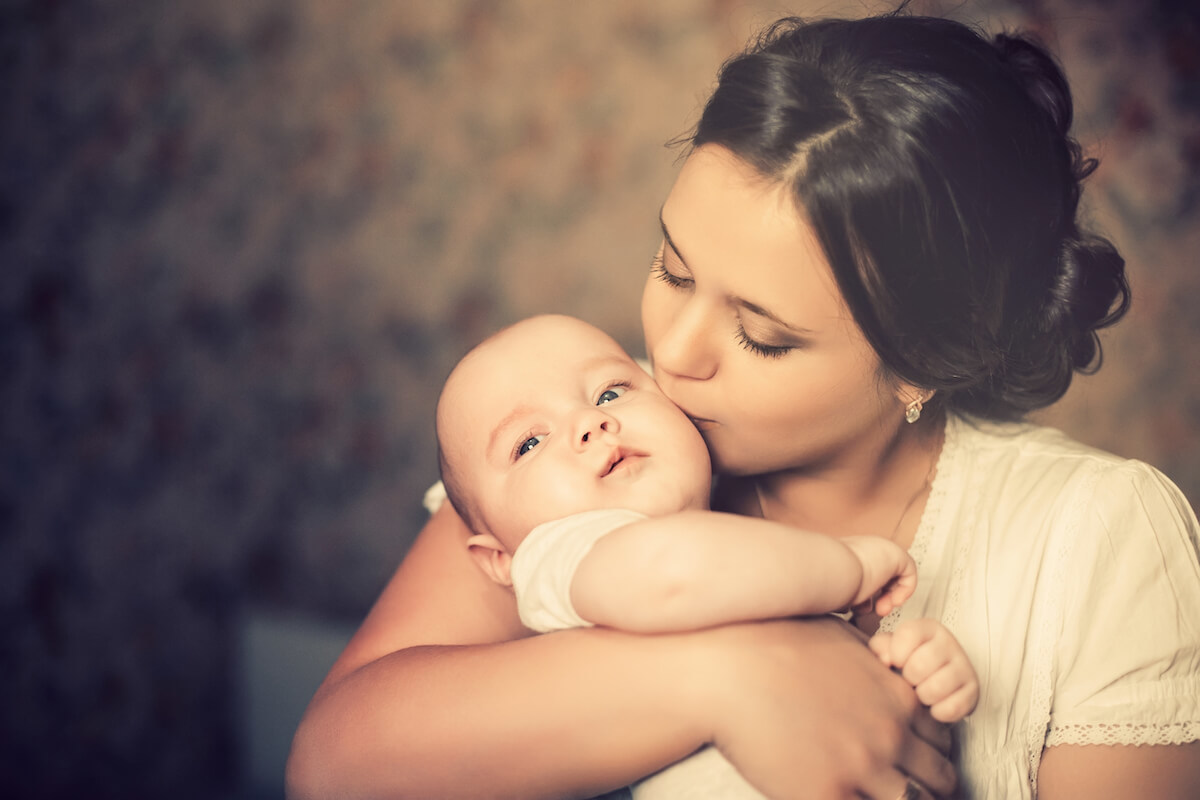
877,489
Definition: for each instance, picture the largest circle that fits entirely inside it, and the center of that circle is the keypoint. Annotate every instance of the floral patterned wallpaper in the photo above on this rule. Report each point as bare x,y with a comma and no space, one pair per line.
242,243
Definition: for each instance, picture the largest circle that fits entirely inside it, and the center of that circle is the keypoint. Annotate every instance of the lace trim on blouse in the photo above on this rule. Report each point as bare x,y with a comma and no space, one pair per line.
1125,733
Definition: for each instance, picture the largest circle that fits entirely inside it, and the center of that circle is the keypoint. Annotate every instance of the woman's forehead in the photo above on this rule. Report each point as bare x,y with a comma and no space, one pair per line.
746,238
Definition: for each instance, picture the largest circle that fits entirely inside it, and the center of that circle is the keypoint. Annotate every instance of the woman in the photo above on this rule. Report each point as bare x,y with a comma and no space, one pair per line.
871,265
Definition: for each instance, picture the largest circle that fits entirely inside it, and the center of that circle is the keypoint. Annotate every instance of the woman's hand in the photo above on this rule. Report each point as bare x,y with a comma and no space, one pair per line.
809,712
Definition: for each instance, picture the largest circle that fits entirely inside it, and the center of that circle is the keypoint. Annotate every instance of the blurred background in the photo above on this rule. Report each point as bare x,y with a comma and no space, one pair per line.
241,244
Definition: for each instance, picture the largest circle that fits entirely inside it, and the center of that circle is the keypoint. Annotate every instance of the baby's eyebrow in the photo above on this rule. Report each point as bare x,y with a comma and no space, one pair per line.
607,360
505,423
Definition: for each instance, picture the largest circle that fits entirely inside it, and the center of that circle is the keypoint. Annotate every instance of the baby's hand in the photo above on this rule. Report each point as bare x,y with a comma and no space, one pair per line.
888,571
932,660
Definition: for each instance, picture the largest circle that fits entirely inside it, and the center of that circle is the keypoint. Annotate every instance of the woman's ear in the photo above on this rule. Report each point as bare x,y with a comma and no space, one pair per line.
913,399
492,557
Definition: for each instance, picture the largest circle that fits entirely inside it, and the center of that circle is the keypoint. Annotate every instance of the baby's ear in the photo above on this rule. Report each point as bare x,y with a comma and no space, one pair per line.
492,558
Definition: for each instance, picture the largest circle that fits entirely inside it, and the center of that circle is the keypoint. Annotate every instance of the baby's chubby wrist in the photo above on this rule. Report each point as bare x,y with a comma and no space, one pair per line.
888,572
863,550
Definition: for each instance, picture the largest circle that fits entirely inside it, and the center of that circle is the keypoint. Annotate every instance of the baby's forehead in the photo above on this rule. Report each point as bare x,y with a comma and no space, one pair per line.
551,347
539,352
504,383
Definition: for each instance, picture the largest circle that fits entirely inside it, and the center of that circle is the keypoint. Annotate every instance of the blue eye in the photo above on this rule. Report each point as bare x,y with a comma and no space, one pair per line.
527,445
610,394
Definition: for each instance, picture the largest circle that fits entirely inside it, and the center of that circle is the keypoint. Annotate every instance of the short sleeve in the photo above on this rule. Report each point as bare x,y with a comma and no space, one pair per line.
1128,658
545,563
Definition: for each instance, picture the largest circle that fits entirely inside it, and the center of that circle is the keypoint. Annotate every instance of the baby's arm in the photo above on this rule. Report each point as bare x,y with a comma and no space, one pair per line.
932,660
697,569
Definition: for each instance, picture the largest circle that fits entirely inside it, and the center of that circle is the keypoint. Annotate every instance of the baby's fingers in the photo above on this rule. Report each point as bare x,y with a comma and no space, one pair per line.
910,636
958,705
881,645
895,594
951,692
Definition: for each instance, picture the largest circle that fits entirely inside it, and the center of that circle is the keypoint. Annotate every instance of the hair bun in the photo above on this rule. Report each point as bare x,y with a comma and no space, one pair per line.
1090,292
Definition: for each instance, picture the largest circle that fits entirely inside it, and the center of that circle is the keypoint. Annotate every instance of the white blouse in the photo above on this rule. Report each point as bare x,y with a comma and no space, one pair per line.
1072,579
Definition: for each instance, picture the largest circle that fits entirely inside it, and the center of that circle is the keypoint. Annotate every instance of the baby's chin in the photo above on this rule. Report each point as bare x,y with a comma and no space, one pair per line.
671,499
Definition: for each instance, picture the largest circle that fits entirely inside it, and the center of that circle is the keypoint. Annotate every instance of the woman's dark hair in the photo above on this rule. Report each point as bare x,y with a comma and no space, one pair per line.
937,171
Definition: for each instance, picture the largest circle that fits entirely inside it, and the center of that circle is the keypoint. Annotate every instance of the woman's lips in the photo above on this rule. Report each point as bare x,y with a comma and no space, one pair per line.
703,423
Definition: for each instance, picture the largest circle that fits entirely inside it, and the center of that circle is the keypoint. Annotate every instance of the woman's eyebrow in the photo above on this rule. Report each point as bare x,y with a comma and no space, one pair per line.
667,238
753,308
758,310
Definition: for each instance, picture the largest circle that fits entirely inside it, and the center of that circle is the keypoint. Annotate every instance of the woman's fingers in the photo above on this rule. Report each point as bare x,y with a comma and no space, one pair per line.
908,790
807,712
927,762
936,734
898,786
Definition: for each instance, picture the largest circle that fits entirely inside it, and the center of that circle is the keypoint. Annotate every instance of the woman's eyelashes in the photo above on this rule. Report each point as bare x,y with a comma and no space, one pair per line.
760,348
658,268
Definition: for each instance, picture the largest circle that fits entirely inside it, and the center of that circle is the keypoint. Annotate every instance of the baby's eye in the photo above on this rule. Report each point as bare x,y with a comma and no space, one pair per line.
610,394
527,445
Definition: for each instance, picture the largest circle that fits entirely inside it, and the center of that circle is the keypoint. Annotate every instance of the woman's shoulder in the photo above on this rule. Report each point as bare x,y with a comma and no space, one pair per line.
1031,449
1039,465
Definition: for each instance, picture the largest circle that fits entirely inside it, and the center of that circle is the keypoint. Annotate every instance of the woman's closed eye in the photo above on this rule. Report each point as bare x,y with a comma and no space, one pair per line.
761,348
658,268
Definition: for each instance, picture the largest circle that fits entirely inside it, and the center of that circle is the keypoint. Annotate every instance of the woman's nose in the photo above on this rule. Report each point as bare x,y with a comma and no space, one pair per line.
593,425
685,348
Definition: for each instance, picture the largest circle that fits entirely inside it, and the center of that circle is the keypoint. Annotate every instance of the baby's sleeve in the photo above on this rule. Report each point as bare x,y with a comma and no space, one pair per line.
1128,658
545,563
434,497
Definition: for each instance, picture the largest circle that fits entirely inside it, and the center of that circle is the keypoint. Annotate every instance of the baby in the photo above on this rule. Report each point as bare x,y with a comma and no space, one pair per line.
587,492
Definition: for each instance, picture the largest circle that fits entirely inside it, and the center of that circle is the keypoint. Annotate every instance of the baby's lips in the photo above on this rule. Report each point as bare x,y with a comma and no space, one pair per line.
618,456
615,457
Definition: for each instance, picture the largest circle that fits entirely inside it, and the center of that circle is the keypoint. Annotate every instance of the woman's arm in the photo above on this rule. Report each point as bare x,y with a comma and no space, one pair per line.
1128,658
431,699
1120,772
696,569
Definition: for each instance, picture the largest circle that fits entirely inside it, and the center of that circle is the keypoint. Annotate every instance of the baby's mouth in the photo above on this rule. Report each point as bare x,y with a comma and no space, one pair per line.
618,459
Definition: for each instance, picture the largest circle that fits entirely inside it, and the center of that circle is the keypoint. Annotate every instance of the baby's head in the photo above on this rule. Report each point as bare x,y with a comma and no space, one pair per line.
550,417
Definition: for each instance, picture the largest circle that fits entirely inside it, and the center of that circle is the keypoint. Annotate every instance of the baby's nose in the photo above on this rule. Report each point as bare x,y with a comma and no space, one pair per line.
604,425
592,424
